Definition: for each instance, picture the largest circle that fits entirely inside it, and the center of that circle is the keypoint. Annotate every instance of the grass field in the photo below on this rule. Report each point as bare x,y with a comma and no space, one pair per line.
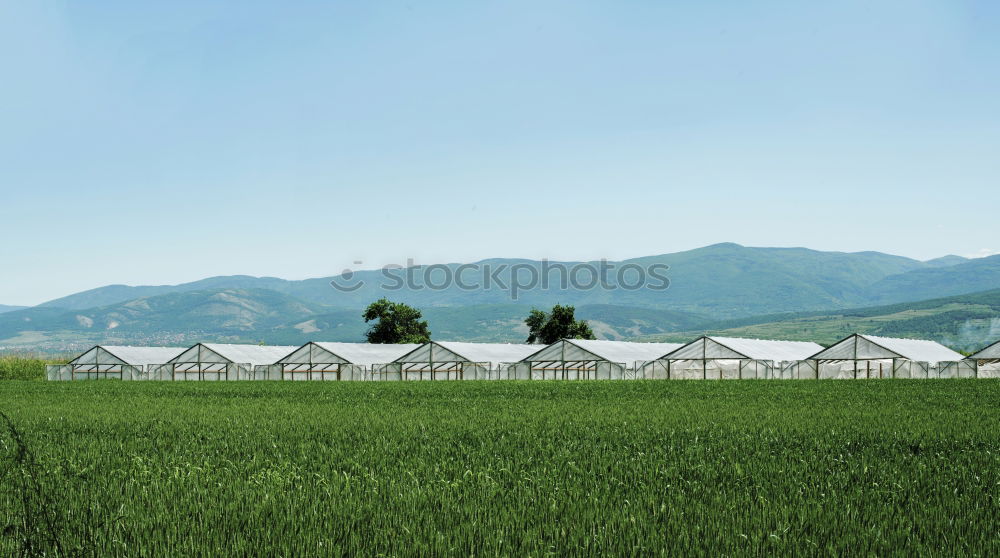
501,468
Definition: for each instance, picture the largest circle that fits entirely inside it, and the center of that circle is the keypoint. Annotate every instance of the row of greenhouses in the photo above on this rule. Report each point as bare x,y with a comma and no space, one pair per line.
858,356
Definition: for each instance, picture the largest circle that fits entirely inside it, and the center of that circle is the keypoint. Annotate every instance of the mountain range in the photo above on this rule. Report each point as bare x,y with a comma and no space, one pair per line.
722,280
717,287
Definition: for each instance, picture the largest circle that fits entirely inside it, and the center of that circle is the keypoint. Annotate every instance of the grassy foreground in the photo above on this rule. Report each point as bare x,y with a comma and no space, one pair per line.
501,468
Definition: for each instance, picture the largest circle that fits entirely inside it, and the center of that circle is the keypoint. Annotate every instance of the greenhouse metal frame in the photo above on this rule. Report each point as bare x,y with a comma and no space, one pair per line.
884,357
335,361
117,362
451,360
219,362
585,359
857,356
987,361
713,357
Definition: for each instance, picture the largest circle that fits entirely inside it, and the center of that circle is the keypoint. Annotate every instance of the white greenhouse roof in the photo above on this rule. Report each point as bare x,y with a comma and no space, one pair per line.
471,352
257,355
489,352
623,352
766,349
367,354
135,356
989,353
870,347
917,349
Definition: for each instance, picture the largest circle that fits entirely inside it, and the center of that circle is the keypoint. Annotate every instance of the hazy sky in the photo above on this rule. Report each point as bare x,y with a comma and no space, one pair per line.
151,144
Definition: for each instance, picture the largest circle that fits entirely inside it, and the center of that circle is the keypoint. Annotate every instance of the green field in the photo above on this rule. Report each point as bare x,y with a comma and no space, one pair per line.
501,468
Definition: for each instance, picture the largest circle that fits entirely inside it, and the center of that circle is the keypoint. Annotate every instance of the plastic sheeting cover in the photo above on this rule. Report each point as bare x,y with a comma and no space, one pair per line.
367,354
768,349
711,347
626,352
243,354
870,347
456,351
989,353
135,356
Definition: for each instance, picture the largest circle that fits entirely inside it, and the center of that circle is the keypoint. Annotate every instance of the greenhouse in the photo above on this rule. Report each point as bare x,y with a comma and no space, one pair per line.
112,362
452,360
724,358
862,356
215,361
710,357
586,359
987,361
335,361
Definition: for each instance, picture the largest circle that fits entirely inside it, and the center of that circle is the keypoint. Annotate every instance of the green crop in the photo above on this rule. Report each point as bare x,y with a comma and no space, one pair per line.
500,468
23,367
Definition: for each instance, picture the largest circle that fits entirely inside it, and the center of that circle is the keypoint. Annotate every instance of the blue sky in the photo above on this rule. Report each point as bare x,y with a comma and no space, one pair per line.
151,144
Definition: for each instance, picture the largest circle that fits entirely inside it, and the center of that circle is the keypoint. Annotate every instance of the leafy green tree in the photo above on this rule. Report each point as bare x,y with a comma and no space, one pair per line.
397,323
560,323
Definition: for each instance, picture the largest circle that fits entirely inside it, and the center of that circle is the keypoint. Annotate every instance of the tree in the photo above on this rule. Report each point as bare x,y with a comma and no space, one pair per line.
558,324
397,323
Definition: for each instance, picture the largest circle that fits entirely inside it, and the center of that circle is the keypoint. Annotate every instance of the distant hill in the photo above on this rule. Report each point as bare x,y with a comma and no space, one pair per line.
219,315
5,308
729,280
968,277
720,281
964,322
946,261
770,292
261,315
114,294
